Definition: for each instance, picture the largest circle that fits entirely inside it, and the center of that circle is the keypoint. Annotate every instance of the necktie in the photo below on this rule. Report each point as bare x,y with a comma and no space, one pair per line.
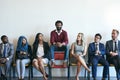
4,51
96,47
115,49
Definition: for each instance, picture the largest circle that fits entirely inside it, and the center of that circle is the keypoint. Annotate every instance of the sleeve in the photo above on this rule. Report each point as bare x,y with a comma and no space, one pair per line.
11,52
52,39
102,49
30,52
65,38
91,52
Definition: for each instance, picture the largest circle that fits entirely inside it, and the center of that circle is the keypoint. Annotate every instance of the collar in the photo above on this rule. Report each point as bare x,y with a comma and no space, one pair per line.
59,32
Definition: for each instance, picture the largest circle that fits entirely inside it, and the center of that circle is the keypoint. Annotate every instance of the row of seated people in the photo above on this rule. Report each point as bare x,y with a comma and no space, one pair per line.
41,53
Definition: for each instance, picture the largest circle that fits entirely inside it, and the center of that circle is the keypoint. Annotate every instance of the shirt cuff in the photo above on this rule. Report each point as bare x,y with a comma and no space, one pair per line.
7,59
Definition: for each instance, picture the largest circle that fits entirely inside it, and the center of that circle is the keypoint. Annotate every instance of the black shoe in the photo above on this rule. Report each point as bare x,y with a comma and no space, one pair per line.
94,79
104,78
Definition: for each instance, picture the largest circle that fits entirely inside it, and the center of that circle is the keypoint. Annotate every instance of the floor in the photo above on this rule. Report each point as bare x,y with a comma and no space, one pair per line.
63,78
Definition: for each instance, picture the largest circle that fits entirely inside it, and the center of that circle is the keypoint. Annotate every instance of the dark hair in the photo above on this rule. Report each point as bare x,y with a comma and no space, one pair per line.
37,38
58,21
98,34
3,36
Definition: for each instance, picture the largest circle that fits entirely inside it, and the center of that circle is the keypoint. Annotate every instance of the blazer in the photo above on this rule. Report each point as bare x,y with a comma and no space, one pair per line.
10,51
109,48
46,50
29,52
92,50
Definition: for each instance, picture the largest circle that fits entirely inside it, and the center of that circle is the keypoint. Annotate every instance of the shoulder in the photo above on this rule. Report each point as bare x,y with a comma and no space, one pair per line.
64,31
109,41
90,44
53,31
45,43
10,44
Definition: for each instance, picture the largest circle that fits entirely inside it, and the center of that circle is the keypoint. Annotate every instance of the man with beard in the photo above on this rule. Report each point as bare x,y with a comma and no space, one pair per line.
6,55
59,41
113,51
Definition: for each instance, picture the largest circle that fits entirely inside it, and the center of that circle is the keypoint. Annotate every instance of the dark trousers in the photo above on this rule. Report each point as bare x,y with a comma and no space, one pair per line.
5,68
116,62
101,60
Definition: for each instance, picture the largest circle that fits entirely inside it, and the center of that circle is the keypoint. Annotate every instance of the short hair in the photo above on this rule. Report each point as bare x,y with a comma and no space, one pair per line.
3,36
58,21
98,34
116,31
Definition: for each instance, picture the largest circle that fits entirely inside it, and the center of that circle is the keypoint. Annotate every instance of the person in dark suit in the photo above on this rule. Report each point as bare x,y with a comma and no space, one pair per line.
6,56
113,52
41,54
96,52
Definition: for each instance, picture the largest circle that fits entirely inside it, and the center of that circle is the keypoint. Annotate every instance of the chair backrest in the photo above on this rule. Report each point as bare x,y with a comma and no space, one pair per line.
72,59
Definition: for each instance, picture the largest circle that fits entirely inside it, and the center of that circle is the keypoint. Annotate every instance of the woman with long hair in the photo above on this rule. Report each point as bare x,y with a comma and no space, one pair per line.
41,54
78,50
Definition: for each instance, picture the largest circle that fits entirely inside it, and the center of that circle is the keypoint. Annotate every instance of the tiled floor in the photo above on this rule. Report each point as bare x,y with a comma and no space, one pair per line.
63,78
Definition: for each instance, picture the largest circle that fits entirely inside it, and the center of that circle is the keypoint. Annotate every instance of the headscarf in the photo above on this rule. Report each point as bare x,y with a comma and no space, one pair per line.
21,47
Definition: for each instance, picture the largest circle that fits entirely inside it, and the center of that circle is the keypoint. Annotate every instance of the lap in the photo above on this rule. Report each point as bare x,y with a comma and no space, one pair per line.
44,60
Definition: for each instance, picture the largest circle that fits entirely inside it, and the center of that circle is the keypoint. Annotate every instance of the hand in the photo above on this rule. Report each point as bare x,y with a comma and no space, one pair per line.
3,60
114,54
59,44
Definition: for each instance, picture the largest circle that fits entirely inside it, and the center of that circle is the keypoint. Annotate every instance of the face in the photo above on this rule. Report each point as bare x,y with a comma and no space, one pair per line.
24,41
58,26
40,37
5,40
114,35
79,37
97,39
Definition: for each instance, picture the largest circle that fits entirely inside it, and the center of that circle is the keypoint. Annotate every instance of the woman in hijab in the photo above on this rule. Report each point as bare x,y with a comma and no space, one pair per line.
23,56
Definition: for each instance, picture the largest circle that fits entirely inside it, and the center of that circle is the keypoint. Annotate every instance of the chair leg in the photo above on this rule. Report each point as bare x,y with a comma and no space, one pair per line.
68,72
49,72
108,74
85,74
13,71
29,72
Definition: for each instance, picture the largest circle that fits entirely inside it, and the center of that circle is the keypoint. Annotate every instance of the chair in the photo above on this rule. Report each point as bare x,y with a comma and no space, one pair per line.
72,62
46,65
99,65
59,55
9,71
110,65
27,65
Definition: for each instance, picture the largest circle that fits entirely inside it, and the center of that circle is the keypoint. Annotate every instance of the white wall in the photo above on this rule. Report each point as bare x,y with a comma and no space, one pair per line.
28,17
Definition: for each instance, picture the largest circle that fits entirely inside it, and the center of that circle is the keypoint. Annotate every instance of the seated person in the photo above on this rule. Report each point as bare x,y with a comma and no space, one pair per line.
113,51
23,56
96,52
41,54
59,41
6,56
78,50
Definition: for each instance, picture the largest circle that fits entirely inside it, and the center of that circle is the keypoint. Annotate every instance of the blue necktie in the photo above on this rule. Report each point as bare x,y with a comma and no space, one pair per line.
4,51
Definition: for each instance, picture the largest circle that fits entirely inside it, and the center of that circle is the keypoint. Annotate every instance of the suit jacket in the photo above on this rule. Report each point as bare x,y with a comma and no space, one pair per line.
46,50
109,48
92,50
10,51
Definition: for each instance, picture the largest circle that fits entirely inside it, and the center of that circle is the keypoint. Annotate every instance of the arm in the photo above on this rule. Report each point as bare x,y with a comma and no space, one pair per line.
11,52
52,39
102,49
30,52
85,50
65,41
91,51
